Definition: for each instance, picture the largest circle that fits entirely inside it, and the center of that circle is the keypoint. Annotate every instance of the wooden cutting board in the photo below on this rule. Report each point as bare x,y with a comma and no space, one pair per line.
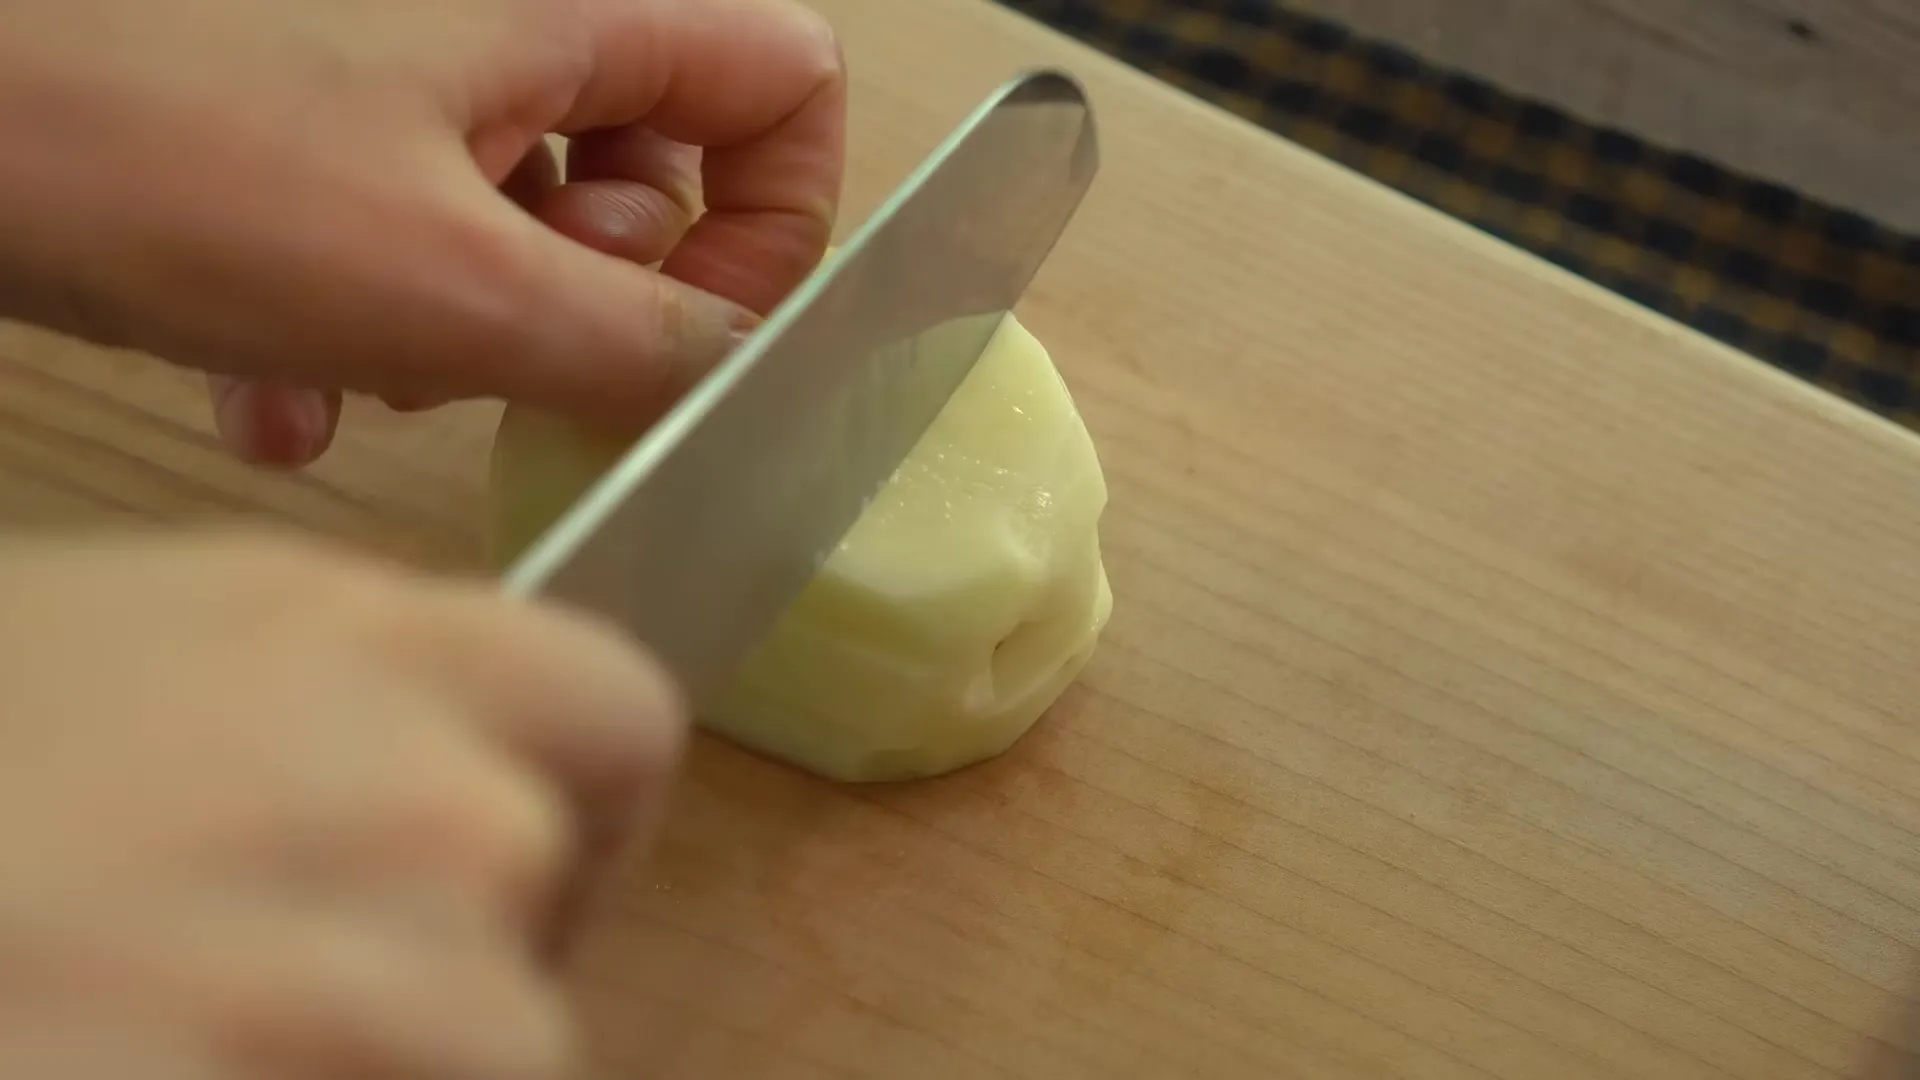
1503,682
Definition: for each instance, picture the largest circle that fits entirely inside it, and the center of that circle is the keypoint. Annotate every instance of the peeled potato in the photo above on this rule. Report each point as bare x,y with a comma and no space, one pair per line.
957,609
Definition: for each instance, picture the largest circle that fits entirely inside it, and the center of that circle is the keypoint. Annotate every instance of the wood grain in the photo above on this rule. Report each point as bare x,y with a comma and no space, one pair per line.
1503,682
1816,95
93,438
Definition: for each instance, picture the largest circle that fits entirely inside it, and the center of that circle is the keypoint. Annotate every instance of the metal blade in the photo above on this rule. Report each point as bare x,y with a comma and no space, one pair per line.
716,519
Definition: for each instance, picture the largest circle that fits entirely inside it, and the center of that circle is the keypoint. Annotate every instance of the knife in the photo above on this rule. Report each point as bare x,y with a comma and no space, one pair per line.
714,520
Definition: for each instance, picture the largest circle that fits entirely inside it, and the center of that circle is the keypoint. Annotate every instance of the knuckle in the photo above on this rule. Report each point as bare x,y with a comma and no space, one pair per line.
658,718
356,999
502,834
644,217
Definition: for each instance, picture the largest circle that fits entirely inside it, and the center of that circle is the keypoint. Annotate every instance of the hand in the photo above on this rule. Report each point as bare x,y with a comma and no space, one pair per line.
307,196
292,815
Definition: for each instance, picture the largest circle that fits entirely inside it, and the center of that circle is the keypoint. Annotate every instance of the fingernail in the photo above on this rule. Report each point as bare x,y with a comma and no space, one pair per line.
714,328
307,421
264,424
741,327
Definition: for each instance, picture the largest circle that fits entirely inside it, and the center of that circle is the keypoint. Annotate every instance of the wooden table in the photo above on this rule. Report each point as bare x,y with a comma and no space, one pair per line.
1503,682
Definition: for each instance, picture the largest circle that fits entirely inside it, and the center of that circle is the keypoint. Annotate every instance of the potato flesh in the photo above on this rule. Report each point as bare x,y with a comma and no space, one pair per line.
958,608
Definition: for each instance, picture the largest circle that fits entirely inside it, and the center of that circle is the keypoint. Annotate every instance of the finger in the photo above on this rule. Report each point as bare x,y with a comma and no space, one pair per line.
281,985
375,1002
291,427
557,325
579,703
273,424
527,185
630,193
760,84
39,1040
443,808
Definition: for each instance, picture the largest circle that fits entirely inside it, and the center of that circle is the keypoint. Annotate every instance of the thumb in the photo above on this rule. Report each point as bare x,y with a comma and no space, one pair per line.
602,337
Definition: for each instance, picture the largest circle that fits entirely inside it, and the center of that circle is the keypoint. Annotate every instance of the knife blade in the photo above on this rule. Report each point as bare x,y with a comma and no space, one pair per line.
715,519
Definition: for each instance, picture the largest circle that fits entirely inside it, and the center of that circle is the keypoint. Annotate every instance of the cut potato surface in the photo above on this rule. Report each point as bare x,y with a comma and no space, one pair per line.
958,608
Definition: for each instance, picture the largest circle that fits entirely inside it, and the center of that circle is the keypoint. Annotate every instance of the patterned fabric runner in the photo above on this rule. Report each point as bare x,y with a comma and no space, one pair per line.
1820,292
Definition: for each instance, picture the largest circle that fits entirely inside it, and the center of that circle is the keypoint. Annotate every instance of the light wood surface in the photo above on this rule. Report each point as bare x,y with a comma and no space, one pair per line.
1815,95
1502,682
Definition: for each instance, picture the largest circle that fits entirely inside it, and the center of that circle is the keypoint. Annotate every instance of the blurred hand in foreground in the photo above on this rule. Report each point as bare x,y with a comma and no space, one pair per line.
269,811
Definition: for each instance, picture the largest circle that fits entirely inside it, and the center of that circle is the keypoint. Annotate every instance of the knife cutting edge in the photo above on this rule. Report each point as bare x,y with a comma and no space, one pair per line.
715,519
